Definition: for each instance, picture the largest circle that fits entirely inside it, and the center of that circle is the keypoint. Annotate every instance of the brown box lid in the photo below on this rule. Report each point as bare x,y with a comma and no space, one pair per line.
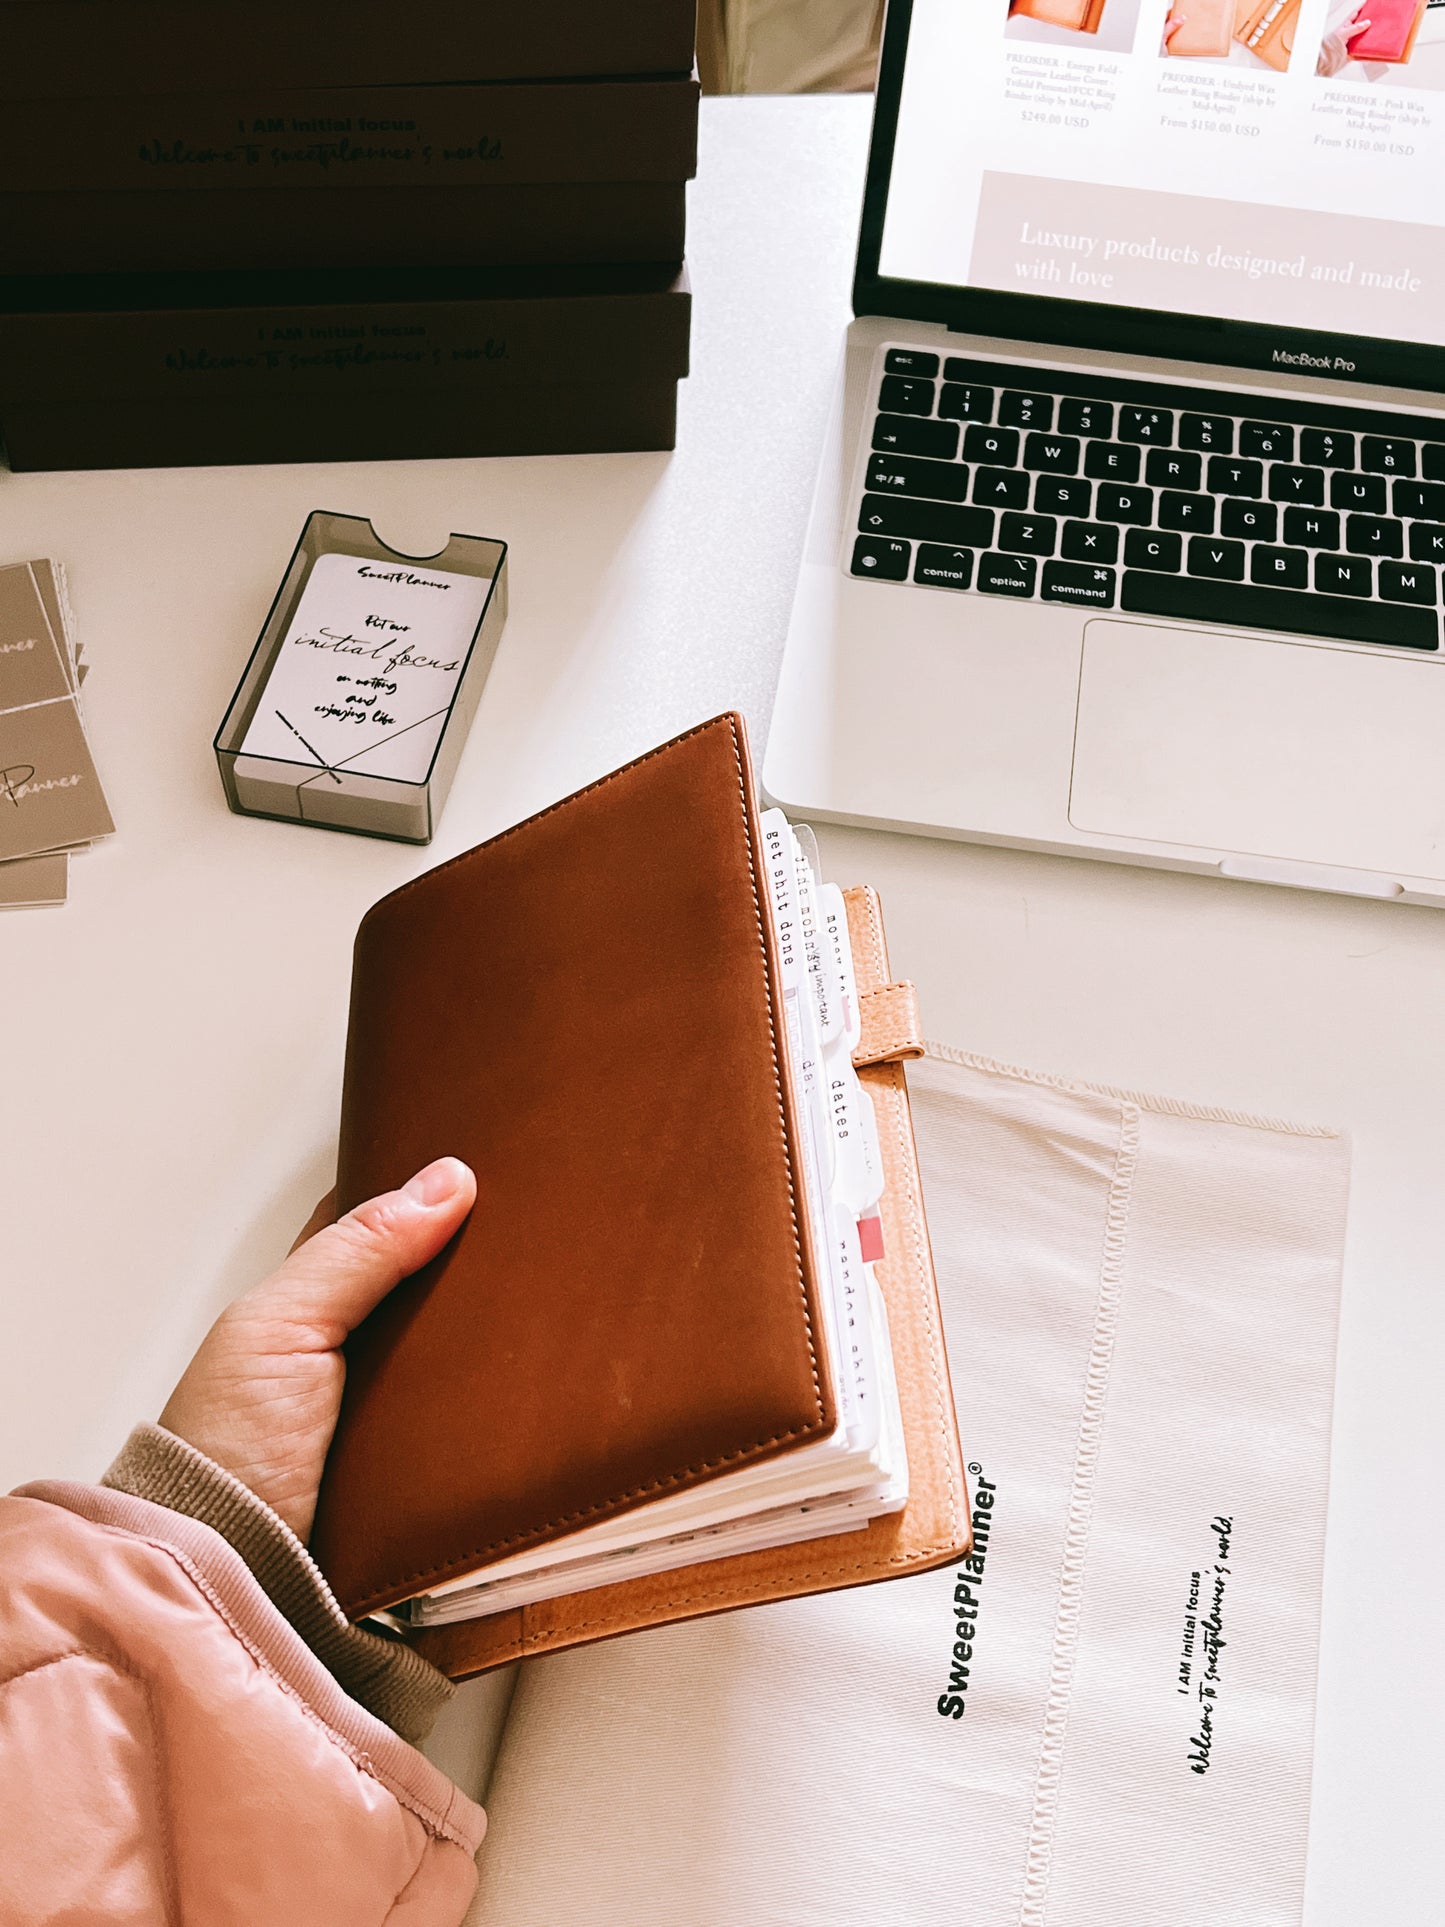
496,134
52,49
357,333
538,223
571,418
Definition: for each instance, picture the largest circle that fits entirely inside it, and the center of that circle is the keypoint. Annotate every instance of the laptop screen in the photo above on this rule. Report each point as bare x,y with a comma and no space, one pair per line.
1256,181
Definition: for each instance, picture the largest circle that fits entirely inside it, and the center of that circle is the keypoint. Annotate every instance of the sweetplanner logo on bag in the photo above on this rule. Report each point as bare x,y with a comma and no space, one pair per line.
966,1598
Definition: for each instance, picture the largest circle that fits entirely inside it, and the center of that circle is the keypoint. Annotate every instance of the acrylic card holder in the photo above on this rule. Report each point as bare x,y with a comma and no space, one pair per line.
358,696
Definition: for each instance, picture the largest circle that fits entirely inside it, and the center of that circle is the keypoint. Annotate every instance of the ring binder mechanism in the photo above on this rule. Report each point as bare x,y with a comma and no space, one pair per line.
1267,29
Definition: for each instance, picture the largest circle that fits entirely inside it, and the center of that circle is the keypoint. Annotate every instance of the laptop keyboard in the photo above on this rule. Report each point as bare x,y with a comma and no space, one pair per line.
1105,493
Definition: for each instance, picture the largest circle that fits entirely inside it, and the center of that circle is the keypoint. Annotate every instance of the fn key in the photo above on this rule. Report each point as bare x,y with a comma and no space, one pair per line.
876,555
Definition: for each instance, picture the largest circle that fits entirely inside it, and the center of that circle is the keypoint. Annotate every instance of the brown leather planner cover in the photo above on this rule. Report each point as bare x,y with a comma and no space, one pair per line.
931,1530
587,1009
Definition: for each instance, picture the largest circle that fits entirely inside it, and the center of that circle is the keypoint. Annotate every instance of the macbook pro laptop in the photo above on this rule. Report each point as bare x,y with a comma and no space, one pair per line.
1130,526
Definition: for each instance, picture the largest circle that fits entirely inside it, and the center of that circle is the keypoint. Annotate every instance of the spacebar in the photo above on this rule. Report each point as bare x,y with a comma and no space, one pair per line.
1295,611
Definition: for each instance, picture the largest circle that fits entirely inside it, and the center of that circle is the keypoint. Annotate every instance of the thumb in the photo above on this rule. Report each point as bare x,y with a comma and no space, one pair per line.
334,1279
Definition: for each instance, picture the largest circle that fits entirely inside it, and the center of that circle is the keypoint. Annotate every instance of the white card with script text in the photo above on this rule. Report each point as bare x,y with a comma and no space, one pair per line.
368,669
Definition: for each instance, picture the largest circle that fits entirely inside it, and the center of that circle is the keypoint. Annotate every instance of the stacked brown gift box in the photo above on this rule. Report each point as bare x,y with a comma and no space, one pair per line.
289,230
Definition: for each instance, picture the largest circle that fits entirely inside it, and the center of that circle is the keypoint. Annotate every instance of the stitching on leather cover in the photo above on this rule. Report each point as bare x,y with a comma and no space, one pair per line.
875,931
669,1480
901,1125
890,1025
372,1601
745,1595
527,821
753,863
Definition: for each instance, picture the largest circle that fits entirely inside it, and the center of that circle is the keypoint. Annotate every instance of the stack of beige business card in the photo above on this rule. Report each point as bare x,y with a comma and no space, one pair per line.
51,802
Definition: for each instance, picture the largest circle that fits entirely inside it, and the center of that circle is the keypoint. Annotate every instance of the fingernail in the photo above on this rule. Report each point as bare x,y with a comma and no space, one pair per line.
437,1183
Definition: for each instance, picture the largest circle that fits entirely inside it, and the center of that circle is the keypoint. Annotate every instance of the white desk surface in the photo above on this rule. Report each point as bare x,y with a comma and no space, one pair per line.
172,1043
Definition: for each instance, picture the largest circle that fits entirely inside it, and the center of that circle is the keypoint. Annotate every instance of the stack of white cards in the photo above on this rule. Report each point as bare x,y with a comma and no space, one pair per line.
860,1471
51,802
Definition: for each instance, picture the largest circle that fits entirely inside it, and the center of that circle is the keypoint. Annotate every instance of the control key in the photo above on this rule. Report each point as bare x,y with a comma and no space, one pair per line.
943,568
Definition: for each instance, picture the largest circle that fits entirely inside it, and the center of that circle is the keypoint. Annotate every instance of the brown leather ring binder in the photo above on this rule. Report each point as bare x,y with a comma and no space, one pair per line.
933,1528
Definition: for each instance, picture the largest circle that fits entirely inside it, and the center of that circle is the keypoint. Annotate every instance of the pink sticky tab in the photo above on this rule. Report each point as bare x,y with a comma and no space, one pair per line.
870,1239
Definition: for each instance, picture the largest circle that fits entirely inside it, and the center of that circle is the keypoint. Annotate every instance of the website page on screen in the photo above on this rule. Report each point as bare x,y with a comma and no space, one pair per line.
1268,161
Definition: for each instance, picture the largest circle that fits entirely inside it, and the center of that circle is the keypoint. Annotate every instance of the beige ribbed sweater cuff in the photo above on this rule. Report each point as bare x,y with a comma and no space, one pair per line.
383,1675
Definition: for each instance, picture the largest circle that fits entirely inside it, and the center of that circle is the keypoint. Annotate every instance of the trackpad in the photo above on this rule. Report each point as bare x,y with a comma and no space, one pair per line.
1274,749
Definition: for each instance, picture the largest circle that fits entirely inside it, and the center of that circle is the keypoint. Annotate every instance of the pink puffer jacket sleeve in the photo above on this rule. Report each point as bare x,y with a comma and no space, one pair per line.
171,1752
